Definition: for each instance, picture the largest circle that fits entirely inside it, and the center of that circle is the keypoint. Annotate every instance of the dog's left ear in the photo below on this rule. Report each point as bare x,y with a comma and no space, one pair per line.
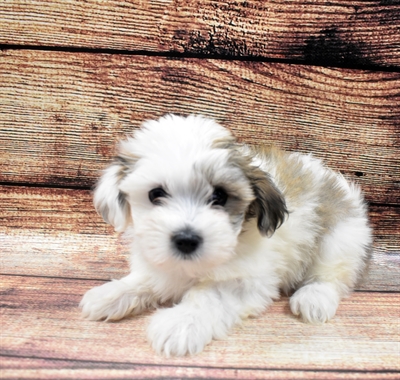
269,207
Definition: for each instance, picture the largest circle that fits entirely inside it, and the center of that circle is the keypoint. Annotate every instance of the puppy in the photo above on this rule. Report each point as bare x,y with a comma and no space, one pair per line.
218,228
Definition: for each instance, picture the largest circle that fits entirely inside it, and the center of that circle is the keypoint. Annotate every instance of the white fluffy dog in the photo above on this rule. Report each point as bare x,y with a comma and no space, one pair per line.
218,228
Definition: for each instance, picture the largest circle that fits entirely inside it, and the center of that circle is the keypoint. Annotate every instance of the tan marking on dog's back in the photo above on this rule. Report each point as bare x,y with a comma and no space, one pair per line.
301,183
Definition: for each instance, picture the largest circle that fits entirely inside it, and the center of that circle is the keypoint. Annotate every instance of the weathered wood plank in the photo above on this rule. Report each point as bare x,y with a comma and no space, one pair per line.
62,112
56,233
30,368
328,32
40,319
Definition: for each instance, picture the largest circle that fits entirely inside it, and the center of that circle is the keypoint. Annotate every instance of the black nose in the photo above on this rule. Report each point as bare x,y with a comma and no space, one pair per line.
186,241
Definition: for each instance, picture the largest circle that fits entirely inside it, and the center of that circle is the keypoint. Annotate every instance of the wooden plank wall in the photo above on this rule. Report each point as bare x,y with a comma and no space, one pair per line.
75,76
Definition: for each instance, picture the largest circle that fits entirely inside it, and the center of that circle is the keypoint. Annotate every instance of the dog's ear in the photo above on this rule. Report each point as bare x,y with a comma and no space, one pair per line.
109,201
269,207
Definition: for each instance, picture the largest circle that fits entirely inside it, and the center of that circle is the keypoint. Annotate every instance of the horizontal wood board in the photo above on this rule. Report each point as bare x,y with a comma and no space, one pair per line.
32,368
41,319
63,112
355,33
57,233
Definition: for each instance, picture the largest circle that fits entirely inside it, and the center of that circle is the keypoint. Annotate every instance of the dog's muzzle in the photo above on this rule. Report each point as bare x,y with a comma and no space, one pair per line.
186,241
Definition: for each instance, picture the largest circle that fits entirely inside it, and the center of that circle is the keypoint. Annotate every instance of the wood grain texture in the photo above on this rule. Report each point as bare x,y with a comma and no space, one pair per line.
332,33
63,112
31,368
57,233
40,319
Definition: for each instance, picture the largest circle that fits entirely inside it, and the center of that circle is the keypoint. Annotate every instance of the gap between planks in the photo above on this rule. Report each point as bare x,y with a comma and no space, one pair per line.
43,368
328,32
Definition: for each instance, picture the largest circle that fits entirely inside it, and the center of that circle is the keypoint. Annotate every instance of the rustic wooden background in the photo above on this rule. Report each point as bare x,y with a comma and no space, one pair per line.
75,76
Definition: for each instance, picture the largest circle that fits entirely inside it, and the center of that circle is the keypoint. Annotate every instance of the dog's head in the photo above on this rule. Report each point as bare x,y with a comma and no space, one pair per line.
186,188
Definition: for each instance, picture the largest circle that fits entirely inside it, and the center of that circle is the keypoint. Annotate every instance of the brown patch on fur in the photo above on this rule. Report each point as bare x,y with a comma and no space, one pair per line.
269,205
225,143
299,184
294,180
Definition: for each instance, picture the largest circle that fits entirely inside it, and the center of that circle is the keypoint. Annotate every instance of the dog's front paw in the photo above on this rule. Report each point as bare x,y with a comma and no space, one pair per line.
110,301
316,302
178,331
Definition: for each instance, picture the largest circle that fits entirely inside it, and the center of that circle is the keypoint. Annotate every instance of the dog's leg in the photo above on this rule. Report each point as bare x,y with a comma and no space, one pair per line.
334,273
118,298
207,311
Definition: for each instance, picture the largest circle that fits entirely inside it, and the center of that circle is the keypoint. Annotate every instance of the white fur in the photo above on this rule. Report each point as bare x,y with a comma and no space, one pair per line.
236,271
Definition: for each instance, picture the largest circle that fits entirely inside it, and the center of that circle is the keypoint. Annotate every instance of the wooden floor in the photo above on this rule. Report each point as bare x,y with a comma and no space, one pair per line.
320,77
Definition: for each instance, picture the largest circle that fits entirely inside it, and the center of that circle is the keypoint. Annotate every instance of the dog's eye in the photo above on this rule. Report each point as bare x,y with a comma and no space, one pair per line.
156,194
219,197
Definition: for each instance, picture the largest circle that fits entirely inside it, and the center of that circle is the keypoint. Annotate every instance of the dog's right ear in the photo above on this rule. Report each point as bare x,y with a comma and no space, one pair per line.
109,201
